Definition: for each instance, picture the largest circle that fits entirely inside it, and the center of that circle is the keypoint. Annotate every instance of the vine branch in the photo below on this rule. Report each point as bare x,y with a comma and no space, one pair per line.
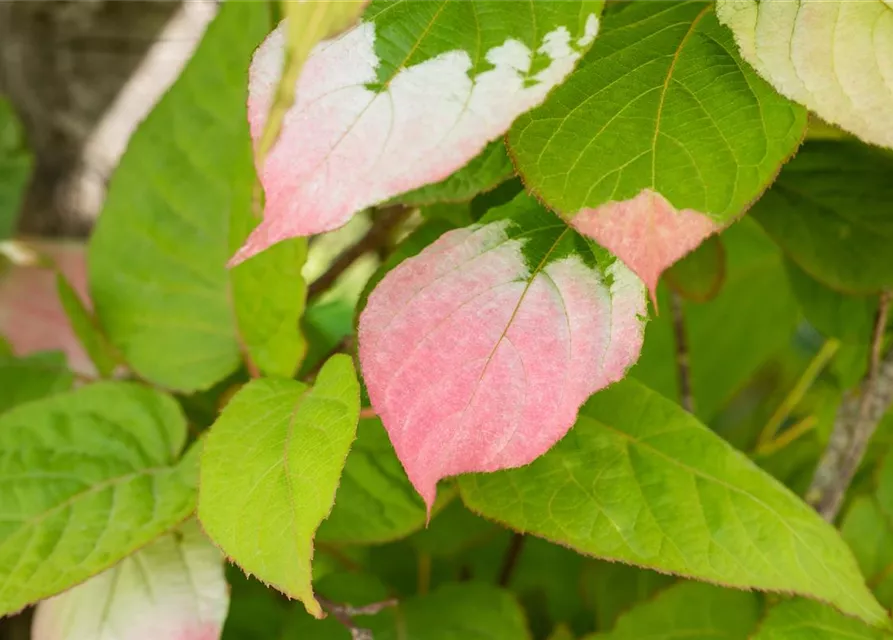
857,418
683,361
384,221
344,613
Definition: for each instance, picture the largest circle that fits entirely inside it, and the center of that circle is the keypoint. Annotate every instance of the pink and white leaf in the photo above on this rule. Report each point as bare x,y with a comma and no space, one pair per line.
345,146
477,362
173,589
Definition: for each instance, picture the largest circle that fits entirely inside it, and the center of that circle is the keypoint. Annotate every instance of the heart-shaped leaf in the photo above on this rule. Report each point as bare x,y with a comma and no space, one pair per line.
660,137
173,589
404,99
835,57
478,352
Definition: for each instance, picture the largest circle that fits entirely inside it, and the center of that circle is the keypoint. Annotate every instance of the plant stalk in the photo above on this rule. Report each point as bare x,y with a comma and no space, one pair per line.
857,418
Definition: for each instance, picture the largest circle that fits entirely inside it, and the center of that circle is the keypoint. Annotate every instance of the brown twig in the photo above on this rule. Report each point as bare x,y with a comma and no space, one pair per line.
683,361
857,418
383,223
344,613
511,559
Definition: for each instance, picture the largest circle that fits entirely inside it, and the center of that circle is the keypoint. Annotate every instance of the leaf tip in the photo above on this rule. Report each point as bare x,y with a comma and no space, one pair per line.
646,232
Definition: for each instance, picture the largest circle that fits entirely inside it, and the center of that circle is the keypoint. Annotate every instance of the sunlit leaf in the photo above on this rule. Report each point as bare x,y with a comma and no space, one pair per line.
86,478
660,138
270,468
158,275
640,480
404,99
835,57
478,352
174,588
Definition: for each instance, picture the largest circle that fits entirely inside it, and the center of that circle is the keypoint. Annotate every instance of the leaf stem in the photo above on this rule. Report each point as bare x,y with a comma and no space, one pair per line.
424,578
790,435
511,559
383,223
344,613
857,418
683,359
796,394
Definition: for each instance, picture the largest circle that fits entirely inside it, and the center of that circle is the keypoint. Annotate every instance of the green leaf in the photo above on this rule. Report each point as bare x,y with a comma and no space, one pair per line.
699,276
157,258
86,328
86,478
32,377
16,163
375,501
483,173
661,101
804,620
269,294
611,588
836,315
640,480
830,211
689,609
661,125
753,317
464,610
869,532
269,472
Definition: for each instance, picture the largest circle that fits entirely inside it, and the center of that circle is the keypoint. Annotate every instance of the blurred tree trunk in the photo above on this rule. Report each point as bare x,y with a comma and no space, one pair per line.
62,63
